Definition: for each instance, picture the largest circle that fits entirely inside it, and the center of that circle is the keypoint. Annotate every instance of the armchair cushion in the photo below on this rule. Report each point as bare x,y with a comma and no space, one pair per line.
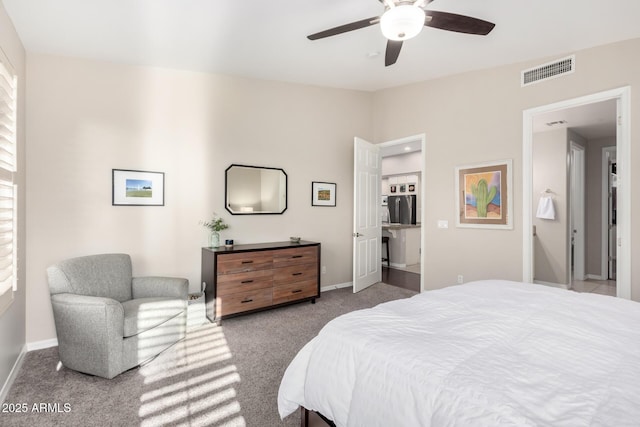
143,314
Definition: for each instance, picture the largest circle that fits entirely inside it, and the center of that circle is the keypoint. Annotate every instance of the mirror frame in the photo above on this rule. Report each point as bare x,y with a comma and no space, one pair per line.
226,191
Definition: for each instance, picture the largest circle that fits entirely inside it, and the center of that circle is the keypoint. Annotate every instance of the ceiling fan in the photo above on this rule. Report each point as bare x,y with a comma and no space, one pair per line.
404,19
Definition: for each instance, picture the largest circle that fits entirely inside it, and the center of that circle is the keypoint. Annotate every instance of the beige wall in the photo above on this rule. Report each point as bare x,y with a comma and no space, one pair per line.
550,172
477,117
87,117
13,321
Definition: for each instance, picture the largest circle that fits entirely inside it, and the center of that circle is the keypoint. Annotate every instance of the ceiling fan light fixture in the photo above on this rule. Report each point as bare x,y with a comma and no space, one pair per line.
402,22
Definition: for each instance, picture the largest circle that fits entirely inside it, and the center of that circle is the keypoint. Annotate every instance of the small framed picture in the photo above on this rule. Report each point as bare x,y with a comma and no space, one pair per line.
393,189
412,188
323,194
137,188
403,188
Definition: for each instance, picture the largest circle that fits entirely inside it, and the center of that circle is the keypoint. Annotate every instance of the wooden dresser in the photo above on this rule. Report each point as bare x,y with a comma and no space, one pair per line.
247,278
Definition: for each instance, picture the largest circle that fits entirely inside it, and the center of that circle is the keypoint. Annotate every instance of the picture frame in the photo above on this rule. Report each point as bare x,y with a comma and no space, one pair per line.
137,188
484,195
323,194
392,189
403,188
412,188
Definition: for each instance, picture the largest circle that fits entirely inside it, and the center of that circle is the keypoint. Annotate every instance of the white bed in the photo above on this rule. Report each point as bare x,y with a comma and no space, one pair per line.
487,353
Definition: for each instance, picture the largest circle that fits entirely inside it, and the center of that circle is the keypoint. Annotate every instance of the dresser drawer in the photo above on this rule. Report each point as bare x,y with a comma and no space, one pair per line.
243,282
244,301
243,262
295,256
257,276
295,273
295,291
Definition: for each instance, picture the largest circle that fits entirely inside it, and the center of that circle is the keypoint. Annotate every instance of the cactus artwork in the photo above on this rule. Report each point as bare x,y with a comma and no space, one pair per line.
483,195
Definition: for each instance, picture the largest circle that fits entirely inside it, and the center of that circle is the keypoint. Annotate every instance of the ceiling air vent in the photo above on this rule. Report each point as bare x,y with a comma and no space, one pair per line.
549,70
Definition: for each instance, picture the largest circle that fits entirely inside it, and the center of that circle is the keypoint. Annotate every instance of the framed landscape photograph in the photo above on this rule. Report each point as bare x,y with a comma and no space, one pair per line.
137,188
323,194
483,197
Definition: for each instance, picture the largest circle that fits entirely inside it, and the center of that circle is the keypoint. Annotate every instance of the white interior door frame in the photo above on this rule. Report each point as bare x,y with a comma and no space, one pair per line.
423,140
577,213
622,96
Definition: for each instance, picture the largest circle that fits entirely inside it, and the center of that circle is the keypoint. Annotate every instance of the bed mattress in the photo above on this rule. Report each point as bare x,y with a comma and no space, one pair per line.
487,353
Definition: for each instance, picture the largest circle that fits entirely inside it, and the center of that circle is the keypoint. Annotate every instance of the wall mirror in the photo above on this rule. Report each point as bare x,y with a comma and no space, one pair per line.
253,190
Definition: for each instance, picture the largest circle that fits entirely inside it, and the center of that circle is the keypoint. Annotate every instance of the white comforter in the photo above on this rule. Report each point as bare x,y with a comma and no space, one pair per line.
489,353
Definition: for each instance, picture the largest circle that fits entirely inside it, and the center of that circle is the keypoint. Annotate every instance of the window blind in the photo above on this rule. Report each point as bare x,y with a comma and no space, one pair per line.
8,229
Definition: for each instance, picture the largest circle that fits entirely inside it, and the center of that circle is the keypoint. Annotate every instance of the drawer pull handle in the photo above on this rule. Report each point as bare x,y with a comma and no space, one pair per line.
247,281
297,256
245,301
296,274
296,291
248,262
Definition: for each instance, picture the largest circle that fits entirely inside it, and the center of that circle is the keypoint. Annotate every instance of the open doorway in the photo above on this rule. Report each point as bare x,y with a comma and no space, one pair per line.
402,211
569,249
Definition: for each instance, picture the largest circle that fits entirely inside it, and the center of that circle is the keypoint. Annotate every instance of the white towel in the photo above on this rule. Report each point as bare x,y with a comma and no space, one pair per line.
545,208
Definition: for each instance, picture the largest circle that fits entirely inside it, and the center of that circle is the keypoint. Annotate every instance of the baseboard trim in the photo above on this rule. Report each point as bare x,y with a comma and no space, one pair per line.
554,285
39,345
334,287
595,277
397,265
12,374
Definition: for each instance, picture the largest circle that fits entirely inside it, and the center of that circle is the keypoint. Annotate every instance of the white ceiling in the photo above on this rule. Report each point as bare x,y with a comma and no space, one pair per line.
591,121
400,149
267,39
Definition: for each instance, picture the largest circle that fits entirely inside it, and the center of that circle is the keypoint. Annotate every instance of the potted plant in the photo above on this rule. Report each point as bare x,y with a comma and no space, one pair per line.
215,225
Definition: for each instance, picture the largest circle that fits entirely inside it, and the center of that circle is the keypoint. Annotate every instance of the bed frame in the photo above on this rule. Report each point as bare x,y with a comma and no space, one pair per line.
304,418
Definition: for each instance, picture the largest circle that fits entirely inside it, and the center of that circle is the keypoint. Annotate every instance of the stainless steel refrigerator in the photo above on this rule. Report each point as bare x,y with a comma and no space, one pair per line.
402,209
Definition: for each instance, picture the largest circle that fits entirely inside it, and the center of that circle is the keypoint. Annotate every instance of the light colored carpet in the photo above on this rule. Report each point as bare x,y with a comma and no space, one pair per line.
224,375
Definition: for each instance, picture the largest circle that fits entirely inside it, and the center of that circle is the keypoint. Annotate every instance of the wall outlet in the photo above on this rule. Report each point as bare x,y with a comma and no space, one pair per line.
443,223
324,269
460,279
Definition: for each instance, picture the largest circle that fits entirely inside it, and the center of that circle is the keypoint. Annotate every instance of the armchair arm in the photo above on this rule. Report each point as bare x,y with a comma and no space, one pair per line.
90,331
154,287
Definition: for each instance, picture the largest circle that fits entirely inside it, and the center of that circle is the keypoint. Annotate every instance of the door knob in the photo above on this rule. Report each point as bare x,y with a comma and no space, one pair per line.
357,235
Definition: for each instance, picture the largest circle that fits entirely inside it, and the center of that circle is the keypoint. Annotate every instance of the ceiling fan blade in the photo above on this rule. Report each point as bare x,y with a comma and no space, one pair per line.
344,28
393,50
457,23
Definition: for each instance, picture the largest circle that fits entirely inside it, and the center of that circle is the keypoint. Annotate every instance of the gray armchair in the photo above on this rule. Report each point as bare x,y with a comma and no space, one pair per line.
108,321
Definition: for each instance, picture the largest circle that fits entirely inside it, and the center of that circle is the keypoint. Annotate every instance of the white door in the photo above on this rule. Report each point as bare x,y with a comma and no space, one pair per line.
367,231
576,221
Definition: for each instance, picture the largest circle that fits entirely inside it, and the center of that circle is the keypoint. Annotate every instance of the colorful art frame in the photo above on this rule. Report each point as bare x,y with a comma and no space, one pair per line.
484,195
